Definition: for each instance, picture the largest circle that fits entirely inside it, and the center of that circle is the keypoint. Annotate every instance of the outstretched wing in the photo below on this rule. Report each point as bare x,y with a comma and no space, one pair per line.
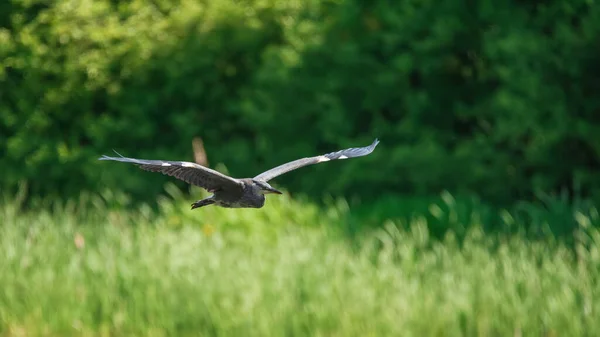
191,173
343,154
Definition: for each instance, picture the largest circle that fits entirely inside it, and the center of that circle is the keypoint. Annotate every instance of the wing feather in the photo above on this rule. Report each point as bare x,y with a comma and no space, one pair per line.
296,164
191,173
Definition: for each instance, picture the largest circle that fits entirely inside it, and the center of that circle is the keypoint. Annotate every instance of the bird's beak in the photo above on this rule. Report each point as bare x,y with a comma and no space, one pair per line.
272,190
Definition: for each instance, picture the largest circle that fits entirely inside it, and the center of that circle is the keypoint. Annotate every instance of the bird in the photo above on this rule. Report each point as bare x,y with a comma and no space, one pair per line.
230,192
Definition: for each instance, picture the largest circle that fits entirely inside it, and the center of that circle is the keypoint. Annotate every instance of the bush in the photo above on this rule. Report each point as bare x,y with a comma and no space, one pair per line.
497,100
139,77
494,100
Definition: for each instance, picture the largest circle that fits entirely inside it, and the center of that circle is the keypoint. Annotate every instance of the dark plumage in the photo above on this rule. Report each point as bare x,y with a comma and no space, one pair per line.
230,192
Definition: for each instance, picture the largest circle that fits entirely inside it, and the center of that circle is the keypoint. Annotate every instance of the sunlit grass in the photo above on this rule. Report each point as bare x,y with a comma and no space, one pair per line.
83,268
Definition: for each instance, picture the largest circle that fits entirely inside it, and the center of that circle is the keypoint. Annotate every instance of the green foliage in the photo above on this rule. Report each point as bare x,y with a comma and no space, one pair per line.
143,78
495,99
89,268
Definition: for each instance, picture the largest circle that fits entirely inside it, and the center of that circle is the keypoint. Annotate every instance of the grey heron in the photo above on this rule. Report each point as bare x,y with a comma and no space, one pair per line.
231,192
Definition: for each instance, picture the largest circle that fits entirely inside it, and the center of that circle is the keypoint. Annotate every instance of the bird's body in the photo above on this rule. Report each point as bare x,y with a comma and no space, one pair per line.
229,192
249,196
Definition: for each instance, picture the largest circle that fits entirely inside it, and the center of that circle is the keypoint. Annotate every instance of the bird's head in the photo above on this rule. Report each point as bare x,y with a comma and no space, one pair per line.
264,187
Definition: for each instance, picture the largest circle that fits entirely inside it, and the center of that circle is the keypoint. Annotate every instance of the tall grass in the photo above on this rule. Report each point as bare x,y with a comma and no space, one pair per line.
84,268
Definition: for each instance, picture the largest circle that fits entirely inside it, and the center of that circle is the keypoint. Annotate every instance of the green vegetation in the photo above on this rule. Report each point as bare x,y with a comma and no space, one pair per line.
499,99
491,106
87,268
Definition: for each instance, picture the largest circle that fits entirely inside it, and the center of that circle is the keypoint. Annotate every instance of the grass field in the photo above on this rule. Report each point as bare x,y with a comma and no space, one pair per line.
87,268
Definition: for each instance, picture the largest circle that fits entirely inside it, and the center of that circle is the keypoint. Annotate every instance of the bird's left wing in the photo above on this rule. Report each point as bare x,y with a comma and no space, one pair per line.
343,154
191,173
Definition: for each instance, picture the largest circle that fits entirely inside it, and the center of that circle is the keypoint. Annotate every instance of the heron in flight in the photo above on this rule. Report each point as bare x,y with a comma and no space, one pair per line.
231,192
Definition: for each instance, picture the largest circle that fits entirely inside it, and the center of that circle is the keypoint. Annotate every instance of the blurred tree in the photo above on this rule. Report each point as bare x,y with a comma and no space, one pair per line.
482,97
497,99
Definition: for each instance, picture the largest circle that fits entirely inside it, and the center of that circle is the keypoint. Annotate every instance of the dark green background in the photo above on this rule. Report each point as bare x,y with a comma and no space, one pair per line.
495,98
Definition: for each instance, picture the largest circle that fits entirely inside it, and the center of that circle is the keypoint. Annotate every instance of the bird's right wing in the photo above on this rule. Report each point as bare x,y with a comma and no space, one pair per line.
191,173
343,154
